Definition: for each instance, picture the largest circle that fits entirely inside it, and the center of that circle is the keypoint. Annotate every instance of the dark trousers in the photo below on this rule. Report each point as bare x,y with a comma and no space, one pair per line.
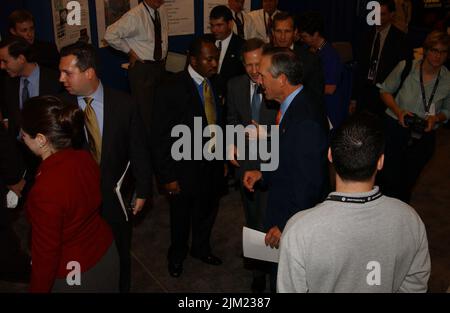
255,204
122,231
103,277
196,210
369,100
14,262
405,158
144,78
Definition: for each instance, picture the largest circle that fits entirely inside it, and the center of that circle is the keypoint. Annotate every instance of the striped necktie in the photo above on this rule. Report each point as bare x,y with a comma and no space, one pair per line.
210,108
93,130
25,92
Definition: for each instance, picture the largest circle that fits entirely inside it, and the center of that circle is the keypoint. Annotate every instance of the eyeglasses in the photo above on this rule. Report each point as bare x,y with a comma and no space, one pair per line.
438,52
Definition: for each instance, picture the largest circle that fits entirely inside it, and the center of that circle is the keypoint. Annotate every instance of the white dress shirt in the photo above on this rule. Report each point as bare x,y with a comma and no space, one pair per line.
383,35
97,104
33,84
223,51
249,27
135,30
259,23
253,87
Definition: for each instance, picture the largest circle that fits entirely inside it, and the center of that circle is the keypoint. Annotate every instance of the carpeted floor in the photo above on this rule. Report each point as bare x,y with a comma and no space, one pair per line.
431,199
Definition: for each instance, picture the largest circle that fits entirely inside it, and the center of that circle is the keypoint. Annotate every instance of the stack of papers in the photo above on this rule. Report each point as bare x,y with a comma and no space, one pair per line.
125,191
255,247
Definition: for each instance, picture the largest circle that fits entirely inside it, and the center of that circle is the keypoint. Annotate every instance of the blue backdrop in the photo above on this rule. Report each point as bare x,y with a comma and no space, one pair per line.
340,18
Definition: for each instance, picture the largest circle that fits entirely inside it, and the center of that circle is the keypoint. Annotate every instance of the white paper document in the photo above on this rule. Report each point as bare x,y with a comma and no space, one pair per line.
255,247
126,197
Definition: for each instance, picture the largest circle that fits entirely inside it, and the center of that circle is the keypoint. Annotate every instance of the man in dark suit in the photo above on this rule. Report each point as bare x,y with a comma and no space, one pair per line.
381,49
11,171
247,106
229,45
26,79
14,263
21,24
116,136
192,183
284,33
301,180
230,65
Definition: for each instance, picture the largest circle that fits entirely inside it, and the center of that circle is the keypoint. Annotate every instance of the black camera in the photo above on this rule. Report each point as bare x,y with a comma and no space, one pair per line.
415,123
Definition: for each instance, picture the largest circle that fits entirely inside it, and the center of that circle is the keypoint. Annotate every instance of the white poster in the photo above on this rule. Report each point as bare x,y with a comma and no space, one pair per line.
109,11
181,17
208,5
70,23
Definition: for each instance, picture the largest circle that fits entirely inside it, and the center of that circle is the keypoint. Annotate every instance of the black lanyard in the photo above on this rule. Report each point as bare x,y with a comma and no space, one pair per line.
360,200
151,17
265,23
427,105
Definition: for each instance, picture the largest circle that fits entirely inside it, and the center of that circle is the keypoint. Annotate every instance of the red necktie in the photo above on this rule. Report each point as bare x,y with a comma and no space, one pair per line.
278,119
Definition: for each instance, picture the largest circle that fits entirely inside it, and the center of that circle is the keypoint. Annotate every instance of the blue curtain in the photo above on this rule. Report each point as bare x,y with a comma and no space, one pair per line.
340,15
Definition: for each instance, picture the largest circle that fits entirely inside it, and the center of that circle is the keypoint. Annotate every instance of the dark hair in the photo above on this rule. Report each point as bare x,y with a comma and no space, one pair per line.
283,16
356,147
18,46
436,37
285,61
19,16
195,48
85,54
221,11
251,45
60,122
390,4
311,22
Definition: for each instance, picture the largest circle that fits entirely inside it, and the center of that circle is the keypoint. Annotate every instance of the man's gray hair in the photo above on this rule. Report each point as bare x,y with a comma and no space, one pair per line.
285,61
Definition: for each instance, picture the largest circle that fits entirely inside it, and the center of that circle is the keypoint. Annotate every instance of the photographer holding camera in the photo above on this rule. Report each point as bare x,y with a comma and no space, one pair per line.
417,95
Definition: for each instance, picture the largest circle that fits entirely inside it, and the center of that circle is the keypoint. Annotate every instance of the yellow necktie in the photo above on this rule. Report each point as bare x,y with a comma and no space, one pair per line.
93,131
210,109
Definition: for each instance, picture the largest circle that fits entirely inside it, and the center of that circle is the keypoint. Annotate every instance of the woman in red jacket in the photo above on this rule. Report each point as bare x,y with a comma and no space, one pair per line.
72,248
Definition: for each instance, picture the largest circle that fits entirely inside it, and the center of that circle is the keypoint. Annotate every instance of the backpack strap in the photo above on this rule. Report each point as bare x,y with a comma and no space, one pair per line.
406,71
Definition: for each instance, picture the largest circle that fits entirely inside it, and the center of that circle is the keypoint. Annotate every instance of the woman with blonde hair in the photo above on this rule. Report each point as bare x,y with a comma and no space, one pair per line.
418,101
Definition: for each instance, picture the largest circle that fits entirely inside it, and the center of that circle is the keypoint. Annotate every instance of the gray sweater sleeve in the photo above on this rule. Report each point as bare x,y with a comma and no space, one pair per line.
291,268
419,272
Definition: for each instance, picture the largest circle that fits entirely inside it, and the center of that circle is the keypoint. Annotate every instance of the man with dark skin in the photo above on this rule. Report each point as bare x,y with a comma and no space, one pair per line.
192,186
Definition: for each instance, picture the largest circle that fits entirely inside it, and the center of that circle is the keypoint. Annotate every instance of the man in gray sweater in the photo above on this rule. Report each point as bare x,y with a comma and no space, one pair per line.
357,240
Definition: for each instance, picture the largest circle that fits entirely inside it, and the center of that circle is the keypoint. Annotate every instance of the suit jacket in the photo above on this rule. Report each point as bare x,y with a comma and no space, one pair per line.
239,111
11,167
177,102
124,139
231,66
395,49
48,85
301,180
46,54
63,208
313,78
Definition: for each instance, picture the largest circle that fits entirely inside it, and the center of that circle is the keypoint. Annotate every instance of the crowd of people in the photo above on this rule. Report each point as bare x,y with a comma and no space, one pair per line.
67,139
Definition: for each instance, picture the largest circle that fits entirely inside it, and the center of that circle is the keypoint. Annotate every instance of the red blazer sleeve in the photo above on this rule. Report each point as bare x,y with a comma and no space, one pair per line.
47,228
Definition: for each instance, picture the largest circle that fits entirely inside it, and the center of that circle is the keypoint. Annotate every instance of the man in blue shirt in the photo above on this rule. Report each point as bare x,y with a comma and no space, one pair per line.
301,180
26,79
